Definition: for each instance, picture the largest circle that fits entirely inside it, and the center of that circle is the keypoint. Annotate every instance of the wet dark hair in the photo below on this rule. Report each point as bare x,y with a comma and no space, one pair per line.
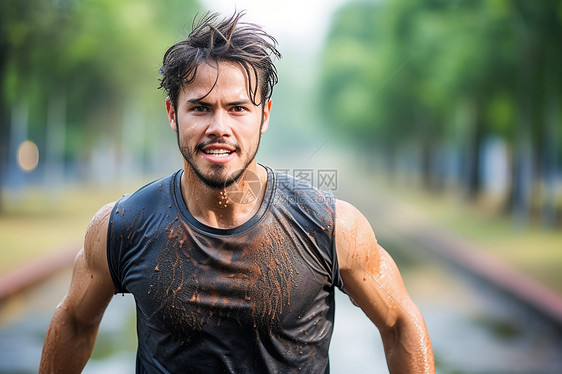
212,41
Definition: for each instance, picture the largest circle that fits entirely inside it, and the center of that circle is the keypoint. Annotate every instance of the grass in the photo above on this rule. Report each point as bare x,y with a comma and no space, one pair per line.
533,250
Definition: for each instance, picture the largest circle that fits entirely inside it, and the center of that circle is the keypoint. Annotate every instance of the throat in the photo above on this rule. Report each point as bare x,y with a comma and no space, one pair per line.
228,207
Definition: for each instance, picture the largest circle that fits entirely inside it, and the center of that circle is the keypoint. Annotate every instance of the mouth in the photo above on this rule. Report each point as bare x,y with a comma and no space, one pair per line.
217,152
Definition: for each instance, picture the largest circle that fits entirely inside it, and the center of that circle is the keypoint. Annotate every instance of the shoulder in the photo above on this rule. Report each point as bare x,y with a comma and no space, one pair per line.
96,234
355,238
349,218
306,203
299,191
152,192
100,220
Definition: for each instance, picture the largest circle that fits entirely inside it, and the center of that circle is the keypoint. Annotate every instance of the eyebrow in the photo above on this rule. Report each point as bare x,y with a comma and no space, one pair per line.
241,102
204,103
198,102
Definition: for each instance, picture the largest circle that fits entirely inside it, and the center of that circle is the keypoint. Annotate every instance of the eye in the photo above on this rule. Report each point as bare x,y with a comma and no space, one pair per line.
200,109
238,109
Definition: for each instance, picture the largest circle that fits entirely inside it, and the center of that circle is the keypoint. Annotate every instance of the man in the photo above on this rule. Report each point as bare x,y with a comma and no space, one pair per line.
232,265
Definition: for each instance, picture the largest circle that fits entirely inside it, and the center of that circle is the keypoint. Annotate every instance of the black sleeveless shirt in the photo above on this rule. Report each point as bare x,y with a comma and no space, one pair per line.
257,298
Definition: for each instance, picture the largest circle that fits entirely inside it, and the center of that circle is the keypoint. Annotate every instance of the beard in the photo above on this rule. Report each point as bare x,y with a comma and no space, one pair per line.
218,177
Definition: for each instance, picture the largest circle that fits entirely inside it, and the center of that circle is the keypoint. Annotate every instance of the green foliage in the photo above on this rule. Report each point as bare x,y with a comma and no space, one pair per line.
500,114
448,74
346,88
99,56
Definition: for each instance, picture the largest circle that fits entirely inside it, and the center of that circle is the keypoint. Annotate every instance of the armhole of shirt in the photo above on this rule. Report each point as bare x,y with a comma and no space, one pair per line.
112,255
336,276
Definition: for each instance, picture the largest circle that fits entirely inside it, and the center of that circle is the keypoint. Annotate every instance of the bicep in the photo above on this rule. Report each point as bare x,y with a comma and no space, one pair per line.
369,274
91,287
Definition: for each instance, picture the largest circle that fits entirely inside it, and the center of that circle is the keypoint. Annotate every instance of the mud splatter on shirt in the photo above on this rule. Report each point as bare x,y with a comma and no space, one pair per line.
255,298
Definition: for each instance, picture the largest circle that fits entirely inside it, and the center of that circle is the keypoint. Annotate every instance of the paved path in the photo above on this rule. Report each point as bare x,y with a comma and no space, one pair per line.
38,270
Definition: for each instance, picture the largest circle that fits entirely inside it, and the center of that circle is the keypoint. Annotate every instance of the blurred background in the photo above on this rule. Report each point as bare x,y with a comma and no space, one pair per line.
440,120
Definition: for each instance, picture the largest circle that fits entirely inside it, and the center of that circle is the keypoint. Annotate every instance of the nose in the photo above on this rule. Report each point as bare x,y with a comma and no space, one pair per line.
218,125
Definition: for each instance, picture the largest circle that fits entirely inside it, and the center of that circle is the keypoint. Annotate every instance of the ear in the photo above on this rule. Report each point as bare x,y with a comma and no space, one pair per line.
266,113
171,114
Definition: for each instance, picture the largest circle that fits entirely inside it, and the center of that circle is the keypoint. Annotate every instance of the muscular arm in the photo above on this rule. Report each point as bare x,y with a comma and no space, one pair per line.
73,329
372,280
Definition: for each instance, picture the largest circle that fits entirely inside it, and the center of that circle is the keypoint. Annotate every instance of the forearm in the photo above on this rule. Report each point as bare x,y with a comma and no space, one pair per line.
408,350
67,347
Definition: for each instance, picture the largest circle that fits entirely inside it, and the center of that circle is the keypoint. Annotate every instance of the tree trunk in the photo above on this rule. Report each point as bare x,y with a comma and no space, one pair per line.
56,140
550,145
426,142
4,136
522,165
475,135
18,134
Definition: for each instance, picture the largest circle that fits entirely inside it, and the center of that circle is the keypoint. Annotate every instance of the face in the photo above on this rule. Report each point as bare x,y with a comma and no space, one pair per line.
218,128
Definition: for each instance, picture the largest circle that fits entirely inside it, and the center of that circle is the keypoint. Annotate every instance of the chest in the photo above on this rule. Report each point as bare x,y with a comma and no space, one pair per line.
186,281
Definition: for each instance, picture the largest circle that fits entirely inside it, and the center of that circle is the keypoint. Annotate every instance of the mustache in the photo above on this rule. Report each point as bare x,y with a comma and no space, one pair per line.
200,146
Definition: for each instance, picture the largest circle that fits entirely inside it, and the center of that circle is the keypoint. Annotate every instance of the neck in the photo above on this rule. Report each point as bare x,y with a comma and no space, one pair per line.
224,207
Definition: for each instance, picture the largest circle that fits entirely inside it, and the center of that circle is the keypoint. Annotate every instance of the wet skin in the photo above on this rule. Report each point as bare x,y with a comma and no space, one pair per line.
219,130
371,278
73,329
218,133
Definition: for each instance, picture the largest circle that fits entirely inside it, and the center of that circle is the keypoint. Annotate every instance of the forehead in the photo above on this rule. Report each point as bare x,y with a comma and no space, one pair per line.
219,79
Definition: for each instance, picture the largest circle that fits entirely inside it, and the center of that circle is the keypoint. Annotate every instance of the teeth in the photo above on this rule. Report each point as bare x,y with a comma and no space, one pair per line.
218,152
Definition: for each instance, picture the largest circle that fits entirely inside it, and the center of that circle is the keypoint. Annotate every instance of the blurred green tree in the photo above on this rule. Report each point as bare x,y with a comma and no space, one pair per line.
421,78
76,73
